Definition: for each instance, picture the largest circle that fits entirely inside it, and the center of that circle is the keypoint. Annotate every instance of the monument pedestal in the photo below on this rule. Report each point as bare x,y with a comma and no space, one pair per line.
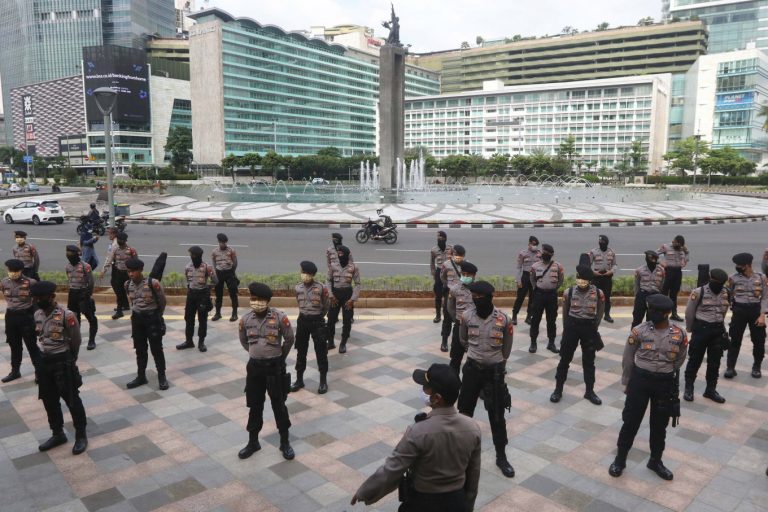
391,113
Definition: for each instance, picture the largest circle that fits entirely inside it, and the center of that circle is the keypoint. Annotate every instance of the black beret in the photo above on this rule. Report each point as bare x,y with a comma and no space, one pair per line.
548,248
718,275
221,237
196,250
482,288
308,267
584,272
442,379
260,290
20,233
14,265
660,302
134,264
122,236
603,238
442,234
743,258
344,249
468,267
680,239
42,289
73,248
459,249
337,236
652,253
532,239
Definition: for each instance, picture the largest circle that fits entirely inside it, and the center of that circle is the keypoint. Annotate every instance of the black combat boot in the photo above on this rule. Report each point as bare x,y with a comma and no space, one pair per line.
252,447
658,467
608,318
688,393
118,314
299,383
437,318
57,439
618,465
552,347
532,349
331,344
557,394
162,382
216,317
444,344
187,344
15,374
343,346
285,446
528,319
233,318
323,388
592,397
201,345
713,395
676,317
503,464
81,443
140,380
514,318
730,373
756,371
91,343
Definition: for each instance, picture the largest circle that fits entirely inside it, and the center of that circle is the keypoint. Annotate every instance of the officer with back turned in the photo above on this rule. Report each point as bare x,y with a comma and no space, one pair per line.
440,453
438,255
58,333
750,303
525,260
676,257
80,299
653,355
450,275
547,276
19,317
314,301
648,281
200,277
486,333
28,254
267,336
225,262
604,266
116,260
459,302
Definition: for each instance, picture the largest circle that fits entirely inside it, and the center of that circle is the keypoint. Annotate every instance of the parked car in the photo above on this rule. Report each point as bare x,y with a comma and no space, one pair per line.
4,192
15,187
33,187
35,212
320,181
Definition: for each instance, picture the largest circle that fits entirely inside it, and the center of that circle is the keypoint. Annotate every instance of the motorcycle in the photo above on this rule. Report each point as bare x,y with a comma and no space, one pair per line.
382,230
100,227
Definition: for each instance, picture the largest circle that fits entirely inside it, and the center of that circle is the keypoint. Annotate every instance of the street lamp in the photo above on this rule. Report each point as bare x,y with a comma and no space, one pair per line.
697,138
105,100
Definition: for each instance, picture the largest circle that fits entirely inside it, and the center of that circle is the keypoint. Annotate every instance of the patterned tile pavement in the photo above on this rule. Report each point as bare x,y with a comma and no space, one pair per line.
177,450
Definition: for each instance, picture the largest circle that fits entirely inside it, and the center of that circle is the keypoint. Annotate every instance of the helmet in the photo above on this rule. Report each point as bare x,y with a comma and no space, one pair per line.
379,210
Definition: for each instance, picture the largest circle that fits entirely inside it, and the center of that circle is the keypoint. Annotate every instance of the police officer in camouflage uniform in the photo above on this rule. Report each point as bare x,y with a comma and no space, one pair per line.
750,303
200,277
648,281
19,318
314,301
80,298
225,263
459,302
116,261
341,277
604,266
27,253
58,332
525,260
676,258
583,307
547,276
486,333
705,318
438,255
262,331
147,323
654,353
450,275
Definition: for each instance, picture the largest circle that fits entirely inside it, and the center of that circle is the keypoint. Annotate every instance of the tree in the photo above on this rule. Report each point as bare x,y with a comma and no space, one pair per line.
624,167
497,164
430,162
271,163
251,160
179,145
603,26
567,149
682,156
648,20
637,157
479,40
228,164
727,161
464,45
763,112
458,166
330,151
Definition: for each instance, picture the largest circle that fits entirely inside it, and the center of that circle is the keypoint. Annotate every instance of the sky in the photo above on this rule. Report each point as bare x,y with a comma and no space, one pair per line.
430,25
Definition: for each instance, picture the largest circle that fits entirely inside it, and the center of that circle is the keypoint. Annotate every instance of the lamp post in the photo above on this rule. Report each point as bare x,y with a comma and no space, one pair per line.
105,100
697,138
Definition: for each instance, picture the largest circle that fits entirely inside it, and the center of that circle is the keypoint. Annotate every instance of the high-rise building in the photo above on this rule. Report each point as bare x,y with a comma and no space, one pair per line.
42,40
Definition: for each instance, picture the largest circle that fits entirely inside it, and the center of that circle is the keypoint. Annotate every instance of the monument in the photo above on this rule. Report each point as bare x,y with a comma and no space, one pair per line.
391,104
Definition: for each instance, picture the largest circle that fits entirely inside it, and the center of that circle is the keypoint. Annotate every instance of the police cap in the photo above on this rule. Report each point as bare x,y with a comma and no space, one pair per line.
719,275
442,234
260,290
73,248
221,237
548,248
743,258
468,267
459,250
14,265
42,289
533,240
337,236
660,302
22,234
652,254
122,236
584,272
482,288
602,238
441,379
196,250
308,267
134,264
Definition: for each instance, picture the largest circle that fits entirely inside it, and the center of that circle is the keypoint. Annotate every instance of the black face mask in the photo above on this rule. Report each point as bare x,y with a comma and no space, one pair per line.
197,261
74,259
441,243
603,246
741,270
716,287
344,260
336,242
44,303
484,306
651,263
656,316
545,256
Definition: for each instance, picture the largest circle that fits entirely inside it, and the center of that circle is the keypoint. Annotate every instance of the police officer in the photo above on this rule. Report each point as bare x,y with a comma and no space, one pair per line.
705,318
112,237
314,300
58,332
583,307
750,302
604,266
675,260
225,263
116,261
648,281
486,333
267,336
332,252
80,299
450,275
200,277
547,276
525,260
438,255
441,450
459,302
341,276
19,318
147,324
27,253
654,353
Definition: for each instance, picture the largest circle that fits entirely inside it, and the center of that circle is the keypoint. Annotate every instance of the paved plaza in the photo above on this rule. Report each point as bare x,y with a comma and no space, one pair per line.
177,450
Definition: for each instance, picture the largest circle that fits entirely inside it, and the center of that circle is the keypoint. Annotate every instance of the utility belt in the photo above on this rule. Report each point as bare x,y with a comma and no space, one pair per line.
58,357
746,306
145,314
548,291
581,321
20,312
647,374
80,291
266,363
311,318
708,325
647,292
475,365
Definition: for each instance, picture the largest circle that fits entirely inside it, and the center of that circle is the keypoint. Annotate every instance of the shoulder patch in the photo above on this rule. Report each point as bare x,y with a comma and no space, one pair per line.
71,319
155,284
286,321
694,295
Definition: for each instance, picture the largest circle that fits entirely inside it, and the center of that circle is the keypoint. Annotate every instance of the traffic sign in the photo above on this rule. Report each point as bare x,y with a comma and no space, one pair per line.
27,159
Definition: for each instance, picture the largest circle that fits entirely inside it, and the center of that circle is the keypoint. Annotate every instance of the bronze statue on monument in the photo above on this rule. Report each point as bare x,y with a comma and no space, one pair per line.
393,25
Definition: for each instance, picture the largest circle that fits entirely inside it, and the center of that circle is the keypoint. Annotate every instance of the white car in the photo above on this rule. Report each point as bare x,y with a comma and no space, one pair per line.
15,187
320,181
35,212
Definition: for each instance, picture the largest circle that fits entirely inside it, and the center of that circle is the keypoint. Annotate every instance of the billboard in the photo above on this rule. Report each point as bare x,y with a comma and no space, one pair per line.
126,71
739,100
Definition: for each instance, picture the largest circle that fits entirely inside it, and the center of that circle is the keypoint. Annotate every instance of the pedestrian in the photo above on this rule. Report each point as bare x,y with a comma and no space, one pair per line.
705,319
341,277
547,276
676,257
58,332
750,302
314,300
116,260
525,260
440,453
225,263
28,254
583,308
654,353
438,255
267,336
200,278
147,323
648,281
80,298
604,267
486,333
87,241
450,275
459,302
19,318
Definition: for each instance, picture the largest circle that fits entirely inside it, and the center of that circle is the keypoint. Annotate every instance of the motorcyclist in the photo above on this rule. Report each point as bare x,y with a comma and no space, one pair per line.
93,215
381,223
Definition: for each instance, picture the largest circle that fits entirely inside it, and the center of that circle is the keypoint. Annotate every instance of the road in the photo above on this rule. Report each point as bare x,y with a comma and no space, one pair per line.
279,250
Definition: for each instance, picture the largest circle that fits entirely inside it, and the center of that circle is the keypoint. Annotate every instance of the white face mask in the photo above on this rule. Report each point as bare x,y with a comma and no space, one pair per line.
306,278
14,275
427,399
582,283
20,240
259,305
